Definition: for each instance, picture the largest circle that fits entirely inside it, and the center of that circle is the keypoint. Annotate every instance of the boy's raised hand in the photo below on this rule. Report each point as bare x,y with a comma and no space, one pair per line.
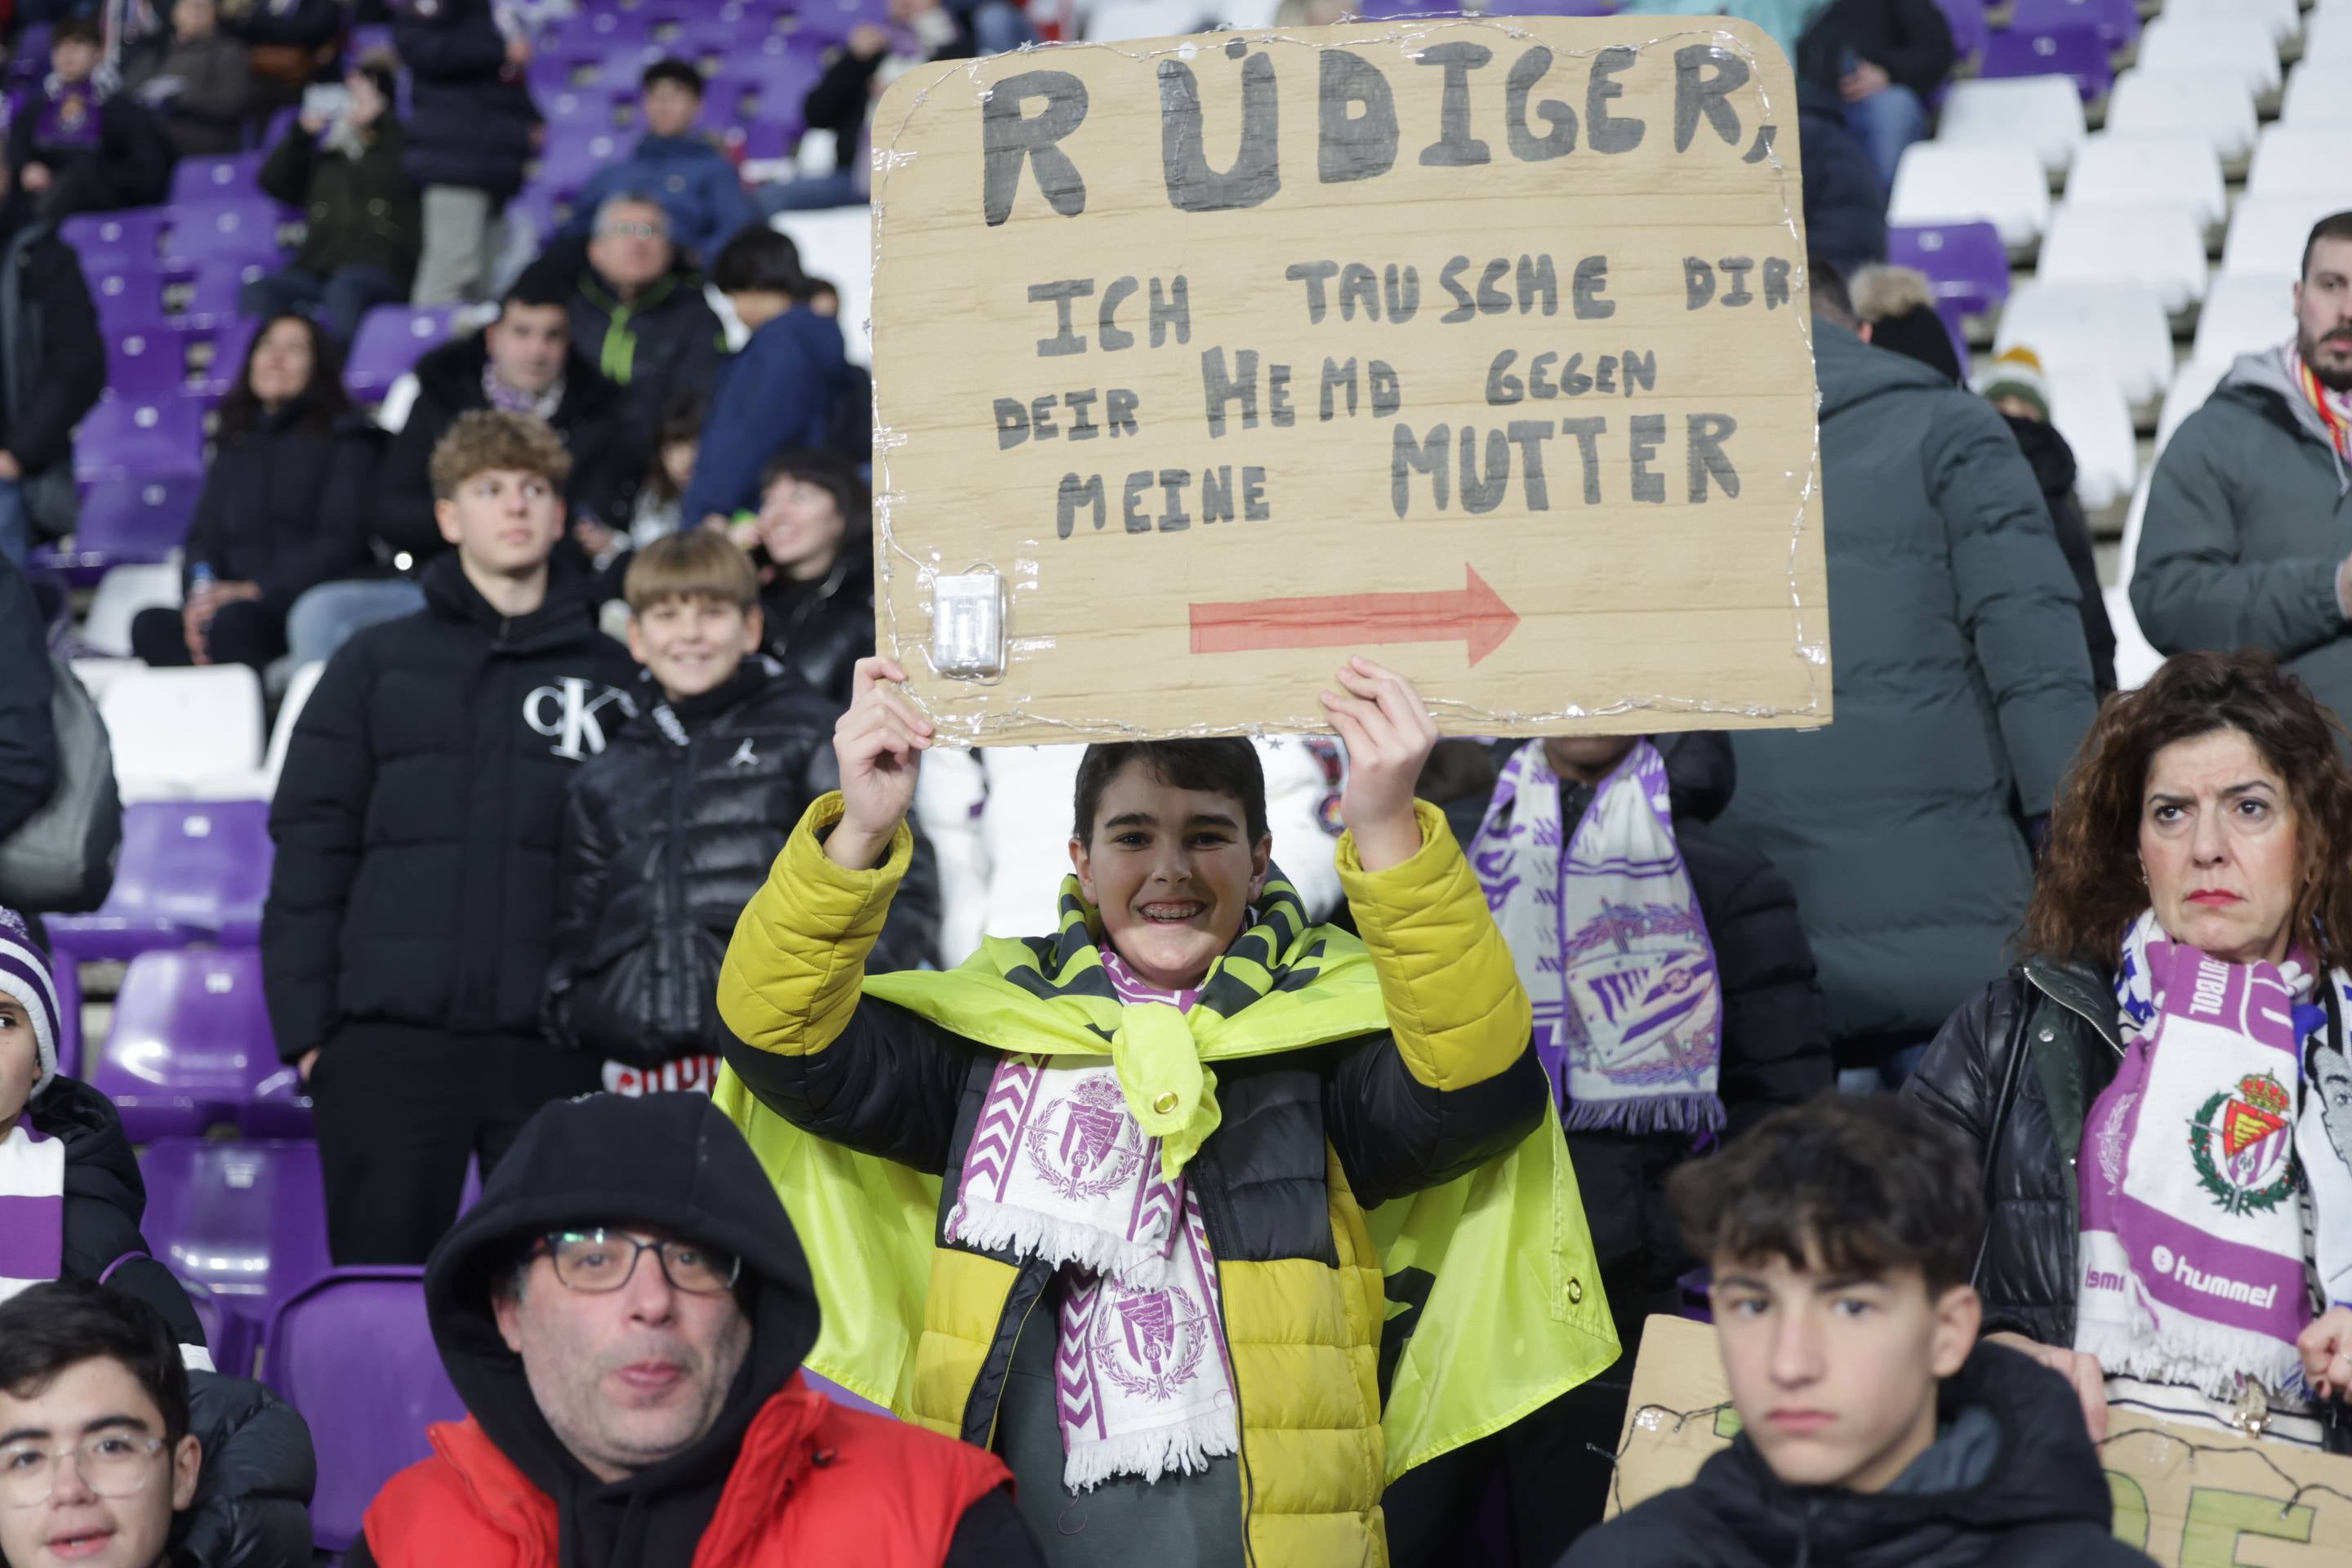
1389,734
878,744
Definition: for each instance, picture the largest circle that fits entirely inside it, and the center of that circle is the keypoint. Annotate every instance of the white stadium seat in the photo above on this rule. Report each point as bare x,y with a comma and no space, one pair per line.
2089,410
2327,36
121,594
2135,659
2043,112
2161,247
2303,160
2176,170
1998,183
2218,109
838,247
174,731
2282,17
2267,233
2191,385
1115,21
2234,45
2133,518
2243,311
1249,15
2318,93
2120,330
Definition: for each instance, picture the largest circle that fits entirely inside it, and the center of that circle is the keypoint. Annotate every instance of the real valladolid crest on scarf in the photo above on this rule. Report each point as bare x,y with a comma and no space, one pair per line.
2197,1161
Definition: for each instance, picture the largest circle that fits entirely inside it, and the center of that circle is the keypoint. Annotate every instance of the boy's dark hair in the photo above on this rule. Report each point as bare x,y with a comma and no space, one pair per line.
1853,1185
542,283
759,260
64,1322
1226,765
681,421
2335,225
83,29
833,472
1830,295
679,71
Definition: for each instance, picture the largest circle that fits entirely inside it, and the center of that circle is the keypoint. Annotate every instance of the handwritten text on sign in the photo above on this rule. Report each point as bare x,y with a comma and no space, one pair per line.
1481,346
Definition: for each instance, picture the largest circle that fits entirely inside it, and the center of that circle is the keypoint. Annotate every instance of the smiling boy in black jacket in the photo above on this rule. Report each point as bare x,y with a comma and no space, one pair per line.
1875,1430
405,943
670,832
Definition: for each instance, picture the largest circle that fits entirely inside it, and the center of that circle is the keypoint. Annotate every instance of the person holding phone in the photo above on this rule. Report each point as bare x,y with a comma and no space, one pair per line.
365,223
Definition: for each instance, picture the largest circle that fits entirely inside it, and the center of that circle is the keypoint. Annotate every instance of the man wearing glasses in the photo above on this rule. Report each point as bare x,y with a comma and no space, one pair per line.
626,1313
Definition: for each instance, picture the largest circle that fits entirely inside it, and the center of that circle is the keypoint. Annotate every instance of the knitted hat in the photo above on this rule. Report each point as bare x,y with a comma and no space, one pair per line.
24,976
2018,373
1919,333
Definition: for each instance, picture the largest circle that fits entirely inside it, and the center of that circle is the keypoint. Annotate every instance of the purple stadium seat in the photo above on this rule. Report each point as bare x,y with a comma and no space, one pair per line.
591,107
768,139
29,61
191,1047
229,340
390,339
237,176
1970,31
127,294
146,363
834,20
370,39
2077,52
354,1353
126,440
1966,261
240,231
67,976
248,1220
1554,8
190,870
624,65
135,234
2117,22
536,211
572,157
125,522
234,1339
608,27
215,294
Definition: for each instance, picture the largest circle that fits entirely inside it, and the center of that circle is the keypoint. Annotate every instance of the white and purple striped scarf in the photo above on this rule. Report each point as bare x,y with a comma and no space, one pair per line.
32,1208
1606,932
1059,1170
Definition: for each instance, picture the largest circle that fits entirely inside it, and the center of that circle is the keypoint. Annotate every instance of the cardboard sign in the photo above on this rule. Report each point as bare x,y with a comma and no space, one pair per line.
2188,1499
1481,346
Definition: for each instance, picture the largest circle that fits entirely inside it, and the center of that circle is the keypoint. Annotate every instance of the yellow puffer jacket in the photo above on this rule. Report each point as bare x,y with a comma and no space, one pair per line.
1409,1048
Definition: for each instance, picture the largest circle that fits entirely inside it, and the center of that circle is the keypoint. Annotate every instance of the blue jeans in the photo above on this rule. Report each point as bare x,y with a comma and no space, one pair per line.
323,619
16,525
809,193
345,295
1887,121
999,26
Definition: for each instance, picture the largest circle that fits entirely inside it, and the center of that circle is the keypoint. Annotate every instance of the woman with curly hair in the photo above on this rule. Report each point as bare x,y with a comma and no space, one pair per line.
2168,1186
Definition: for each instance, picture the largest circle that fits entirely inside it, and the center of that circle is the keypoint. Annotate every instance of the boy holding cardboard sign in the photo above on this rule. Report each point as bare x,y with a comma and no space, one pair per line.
1209,1220
1875,1427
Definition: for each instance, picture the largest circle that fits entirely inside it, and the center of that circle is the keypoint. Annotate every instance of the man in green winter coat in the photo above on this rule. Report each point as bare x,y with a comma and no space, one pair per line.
1962,688
2244,541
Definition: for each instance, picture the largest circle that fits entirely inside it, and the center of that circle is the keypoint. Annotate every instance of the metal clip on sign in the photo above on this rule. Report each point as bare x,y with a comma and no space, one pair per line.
968,624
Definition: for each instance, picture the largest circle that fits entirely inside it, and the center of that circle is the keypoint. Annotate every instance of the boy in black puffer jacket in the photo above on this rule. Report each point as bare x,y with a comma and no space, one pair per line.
670,832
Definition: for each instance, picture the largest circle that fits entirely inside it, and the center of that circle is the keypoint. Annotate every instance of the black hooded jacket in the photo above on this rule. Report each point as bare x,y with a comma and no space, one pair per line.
416,817
819,630
665,838
670,1162
2052,461
105,1201
1776,1041
2013,1480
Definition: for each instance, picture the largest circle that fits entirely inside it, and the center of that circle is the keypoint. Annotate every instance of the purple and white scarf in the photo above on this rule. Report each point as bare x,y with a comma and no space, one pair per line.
1059,1170
2193,1167
1606,932
32,1208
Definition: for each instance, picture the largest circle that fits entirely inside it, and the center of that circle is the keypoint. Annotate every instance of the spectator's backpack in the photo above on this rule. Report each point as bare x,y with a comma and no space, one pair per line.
61,860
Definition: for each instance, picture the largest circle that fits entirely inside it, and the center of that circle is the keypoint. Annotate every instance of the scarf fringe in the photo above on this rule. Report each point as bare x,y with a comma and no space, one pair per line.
1187,1446
1692,1114
1007,1228
2192,1352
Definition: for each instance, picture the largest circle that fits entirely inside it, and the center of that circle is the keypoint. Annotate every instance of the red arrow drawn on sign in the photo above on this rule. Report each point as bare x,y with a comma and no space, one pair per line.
1475,615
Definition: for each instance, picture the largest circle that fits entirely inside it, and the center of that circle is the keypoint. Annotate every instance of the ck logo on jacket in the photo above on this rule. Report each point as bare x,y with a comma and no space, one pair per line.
566,714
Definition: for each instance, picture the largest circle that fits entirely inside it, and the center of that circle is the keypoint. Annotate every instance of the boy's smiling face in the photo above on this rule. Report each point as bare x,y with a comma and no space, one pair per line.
1835,1377
693,643
1172,873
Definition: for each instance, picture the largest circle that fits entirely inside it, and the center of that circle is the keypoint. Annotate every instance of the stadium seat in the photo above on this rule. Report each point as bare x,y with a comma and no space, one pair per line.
189,871
2176,170
2080,55
2218,109
121,594
215,295
124,438
1252,15
172,728
2191,385
1966,261
248,1220
128,296
390,340
570,158
2243,311
2001,183
2282,17
838,246
834,20
2234,45
2043,111
2116,22
2090,411
2120,330
203,180
190,1049
1114,21
1971,30
146,364
2159,248
229,342
353,1353
238,231
126,522
304,680
2327,36
2136,659
2267,233
2318,94
2300,160
234,1339
591,106
67,978
134,233
2135,517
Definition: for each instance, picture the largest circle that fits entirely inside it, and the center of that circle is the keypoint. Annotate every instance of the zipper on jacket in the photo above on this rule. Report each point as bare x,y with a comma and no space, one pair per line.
674,890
